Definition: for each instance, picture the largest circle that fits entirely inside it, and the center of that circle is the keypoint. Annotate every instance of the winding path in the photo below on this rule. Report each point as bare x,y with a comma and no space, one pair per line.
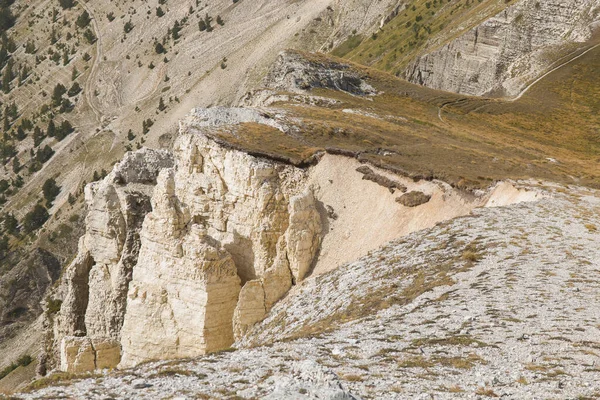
89,92
529,86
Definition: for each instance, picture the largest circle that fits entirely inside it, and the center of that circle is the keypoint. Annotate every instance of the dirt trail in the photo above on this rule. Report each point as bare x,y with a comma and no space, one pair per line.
552,70
89,92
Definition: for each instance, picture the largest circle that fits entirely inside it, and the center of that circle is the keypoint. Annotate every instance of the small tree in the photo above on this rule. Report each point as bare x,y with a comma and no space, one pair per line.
161,105
207,21
10,223
74,89
57,94
38,136
220,20
50,190
65,4
128,27
159,12
83,20
159,48
35,218
51,131
89,36
175,31
16,165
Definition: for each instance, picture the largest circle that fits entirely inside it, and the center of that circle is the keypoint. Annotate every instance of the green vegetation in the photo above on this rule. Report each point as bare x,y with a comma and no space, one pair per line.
50,190
23,361
408,34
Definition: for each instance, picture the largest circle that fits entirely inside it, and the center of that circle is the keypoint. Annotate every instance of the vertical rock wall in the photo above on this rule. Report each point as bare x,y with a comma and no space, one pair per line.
215,250
507,51
181,262
95,284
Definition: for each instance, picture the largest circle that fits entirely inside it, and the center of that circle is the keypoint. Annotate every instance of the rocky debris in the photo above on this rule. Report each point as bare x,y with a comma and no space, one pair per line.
415,317
370,175
82,354
505,52
142,166
229,116
413,199
296,72
308,380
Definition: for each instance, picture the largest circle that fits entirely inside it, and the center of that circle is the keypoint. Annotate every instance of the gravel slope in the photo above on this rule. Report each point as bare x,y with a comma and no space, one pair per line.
501,303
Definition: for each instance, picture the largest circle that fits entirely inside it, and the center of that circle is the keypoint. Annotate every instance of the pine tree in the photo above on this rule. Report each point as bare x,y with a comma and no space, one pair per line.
51,131
38,136
175,31
16,165
83,20
207,21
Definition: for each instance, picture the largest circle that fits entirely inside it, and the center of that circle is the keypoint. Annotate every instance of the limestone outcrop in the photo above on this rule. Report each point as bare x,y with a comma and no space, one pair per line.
184,251
295,72
504,53
215,250
95,283
82,354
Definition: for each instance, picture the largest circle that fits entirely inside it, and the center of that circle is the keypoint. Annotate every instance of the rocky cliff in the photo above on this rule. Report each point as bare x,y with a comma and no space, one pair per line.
186,250
160,276
504,53
94,286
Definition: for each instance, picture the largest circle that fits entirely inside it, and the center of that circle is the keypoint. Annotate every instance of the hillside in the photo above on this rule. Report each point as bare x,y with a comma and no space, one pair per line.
366,221
116,77
438,313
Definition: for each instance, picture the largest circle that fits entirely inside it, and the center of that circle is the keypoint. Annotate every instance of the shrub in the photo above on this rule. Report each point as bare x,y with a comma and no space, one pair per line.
35,218
50,190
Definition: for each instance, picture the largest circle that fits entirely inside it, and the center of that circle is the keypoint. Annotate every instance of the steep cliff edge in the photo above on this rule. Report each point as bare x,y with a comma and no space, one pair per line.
504,53
186,250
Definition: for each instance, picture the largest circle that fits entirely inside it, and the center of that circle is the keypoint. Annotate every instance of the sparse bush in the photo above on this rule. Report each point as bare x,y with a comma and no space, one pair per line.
128,27
50,190
35,218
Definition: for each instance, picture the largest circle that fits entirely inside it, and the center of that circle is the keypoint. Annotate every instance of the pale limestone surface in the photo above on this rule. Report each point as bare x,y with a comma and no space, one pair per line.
95,283
506,52
238,220
82,354
521,321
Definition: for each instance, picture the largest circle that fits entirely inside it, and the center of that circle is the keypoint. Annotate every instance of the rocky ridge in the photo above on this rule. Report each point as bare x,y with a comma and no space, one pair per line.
186,251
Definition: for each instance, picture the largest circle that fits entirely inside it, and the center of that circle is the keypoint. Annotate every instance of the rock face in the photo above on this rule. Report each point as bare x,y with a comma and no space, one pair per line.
81,354
505,52
184,252
225,235
295,72
96,282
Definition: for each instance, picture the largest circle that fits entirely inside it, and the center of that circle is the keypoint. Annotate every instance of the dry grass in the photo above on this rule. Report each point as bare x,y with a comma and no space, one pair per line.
482,391
480,141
